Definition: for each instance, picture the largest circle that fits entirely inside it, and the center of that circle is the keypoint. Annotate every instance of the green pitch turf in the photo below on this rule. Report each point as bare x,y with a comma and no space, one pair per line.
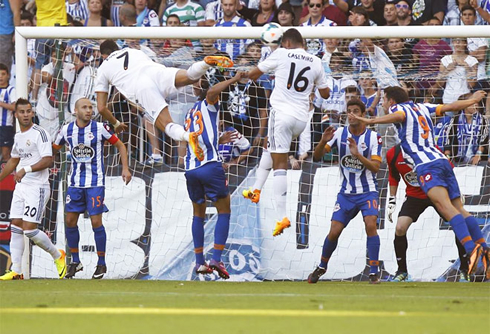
123,306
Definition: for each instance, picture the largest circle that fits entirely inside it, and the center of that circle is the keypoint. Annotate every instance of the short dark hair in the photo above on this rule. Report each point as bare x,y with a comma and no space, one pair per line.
357,102
108,46
467,7
21,102
352,89
26,15
397,94
293,35
175,16
362,11
4,67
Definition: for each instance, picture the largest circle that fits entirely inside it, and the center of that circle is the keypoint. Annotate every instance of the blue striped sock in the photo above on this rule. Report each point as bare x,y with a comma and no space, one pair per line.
458,224
220,235
100,244
373,244
329,247
198,238
73,239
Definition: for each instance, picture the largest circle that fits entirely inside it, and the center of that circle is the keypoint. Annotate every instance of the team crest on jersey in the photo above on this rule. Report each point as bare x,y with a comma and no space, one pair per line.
352,164
82,153
90,135
411,179
336,207
28,142
439,125
68,199
363,146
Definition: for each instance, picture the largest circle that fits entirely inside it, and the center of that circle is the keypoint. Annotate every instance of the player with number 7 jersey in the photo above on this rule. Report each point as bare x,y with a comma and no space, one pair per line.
296,74
435,174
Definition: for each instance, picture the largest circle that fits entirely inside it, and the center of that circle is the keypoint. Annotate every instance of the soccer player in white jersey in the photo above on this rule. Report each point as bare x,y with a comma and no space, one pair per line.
33,155
435,174
359,160
86,188
296,73
147,84
206,178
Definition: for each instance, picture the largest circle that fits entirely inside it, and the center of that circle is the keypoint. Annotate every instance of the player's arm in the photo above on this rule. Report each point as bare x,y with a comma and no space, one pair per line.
255,73
372,164
396,117
9,167
45,162
8,106
322,146
107,114
213,93
462,104
126,174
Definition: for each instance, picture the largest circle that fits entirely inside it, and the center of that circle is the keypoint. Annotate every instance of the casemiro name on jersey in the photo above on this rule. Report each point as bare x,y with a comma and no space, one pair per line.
299,56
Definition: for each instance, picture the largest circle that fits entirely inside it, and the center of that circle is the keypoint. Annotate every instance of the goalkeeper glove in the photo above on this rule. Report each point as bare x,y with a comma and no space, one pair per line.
391,207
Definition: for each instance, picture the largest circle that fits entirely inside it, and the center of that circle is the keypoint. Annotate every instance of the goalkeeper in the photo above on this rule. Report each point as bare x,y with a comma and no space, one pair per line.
415,203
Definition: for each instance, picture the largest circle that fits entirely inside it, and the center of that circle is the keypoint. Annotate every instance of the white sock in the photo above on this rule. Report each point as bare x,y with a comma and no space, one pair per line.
197,70
42,241
262,172
176,132
280,192
16,248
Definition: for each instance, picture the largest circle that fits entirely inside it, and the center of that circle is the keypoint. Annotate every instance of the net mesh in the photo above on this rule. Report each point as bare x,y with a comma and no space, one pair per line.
149,222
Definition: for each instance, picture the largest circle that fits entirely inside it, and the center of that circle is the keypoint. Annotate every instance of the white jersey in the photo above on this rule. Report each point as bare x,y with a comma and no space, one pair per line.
356,178
31,146
296,73
122,69
48,103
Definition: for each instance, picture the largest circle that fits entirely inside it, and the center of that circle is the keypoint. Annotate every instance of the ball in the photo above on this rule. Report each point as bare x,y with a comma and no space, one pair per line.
271,34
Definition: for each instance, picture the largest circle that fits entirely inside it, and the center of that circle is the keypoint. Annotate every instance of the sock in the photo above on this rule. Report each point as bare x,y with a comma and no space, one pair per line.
100,244
458,224
42,241
475,231
373,253
197,70
262,172
280,192
463,258
16,248
73,239
401,245
176,132
198,238
220,235
328,249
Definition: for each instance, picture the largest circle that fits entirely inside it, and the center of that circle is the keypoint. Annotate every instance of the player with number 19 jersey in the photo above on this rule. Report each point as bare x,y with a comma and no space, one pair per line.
296,73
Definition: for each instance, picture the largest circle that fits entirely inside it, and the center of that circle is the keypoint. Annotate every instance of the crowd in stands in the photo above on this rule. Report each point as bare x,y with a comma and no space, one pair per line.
434,70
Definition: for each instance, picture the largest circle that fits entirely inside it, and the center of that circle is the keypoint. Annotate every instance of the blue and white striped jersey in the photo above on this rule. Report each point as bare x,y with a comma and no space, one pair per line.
233,47
148,18
78,10
355,177
416,132
203,118
87,152
7,95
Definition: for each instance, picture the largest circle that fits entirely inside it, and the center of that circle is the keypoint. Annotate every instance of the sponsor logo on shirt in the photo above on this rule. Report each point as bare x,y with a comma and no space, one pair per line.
411,179
82,153
352,164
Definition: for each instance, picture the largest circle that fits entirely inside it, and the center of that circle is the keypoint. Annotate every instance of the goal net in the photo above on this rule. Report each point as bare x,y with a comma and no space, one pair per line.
149,223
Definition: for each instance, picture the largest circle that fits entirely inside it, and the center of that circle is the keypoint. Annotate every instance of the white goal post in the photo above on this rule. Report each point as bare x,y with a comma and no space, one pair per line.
321,207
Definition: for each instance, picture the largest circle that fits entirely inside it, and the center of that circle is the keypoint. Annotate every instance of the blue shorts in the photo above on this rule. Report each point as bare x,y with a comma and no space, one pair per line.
208,180
349,205
6,136
81,199
438,173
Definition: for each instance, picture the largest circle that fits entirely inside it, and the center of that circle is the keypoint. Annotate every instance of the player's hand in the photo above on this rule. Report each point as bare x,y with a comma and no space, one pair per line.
353,146
19,175
479,95
391,208
240,75
328,133
227,137
126,176
257,141
474,4
476,159
121,128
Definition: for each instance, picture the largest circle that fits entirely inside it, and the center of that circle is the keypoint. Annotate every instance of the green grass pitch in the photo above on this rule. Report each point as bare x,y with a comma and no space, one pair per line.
124,306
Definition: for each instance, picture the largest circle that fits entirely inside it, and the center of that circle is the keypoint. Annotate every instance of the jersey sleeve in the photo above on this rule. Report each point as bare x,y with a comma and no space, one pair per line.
14,153
12,95
271,62
199,12
60,139
434,108
334,141
241,142
44,144
107,133
321,78
376,145
153,18
101,82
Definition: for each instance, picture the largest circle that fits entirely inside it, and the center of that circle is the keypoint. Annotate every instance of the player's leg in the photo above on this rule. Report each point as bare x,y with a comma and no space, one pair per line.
401,245
72,239
198,69
368,204
280,186
261,175
16,251
95,207
197,196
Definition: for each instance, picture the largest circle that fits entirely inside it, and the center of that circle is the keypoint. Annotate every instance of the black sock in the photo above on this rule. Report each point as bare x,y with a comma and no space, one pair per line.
401,245
462,256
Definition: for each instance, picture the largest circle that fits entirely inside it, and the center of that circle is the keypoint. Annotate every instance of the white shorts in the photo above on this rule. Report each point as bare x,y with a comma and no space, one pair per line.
29,202
159,83
282,129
